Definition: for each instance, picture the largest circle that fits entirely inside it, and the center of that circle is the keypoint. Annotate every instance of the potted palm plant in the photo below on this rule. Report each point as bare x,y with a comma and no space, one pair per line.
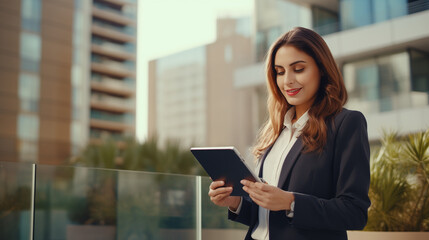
399,189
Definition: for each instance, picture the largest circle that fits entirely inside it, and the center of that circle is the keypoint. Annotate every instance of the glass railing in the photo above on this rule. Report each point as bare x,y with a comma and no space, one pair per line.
127,47
115,11
129,12
88,203
16,186
113,82
122,66
113,101
126,118
127,30
116,136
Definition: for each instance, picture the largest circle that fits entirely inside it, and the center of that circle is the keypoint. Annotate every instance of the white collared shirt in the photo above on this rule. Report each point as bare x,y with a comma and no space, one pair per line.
274,162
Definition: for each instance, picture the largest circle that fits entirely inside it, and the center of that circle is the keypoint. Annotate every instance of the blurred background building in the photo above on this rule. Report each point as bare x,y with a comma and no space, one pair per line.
192,97
67,75
68,72
382,48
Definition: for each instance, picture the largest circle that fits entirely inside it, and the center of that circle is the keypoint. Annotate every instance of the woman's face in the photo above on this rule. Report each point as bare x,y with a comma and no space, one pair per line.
297,76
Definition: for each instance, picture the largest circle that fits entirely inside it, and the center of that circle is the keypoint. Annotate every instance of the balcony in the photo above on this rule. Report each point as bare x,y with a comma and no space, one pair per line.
113,52
113,34
79,203
112,87
119,3
109,125
112,16
112,69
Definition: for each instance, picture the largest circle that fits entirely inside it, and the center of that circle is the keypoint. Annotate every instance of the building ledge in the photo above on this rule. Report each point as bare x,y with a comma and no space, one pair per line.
112,17
111,126
120,3
111,71
111,34
115,90
110,107
112,53
408,31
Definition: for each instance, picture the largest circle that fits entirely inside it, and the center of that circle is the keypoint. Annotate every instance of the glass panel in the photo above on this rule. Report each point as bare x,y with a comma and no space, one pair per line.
28,151
379,84
30,13
355,13
29,87
15,200
125,118
28,127
75,203
215,219
324,21
388,9
30,51
156,206
420,78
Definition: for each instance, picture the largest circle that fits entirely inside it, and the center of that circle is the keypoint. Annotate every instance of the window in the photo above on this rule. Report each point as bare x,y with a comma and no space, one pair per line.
28,151
30,51
28,127
29,88
379,84
357,13
30,12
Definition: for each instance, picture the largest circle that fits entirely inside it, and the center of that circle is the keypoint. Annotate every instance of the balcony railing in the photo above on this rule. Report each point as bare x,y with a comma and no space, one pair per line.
110,14
114,101
418,6
75,203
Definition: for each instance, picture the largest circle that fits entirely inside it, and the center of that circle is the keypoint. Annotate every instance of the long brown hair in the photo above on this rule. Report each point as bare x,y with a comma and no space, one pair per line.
330,99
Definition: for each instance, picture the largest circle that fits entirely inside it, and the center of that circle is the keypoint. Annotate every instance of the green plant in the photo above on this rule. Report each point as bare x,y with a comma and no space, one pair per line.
147,156
100,206
399,188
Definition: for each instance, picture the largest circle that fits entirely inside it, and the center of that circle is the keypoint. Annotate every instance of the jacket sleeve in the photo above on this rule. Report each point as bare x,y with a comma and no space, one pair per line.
348,209
244,216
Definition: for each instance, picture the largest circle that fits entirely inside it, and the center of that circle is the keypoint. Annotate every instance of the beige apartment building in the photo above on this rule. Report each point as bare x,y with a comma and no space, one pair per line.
67,74
192,97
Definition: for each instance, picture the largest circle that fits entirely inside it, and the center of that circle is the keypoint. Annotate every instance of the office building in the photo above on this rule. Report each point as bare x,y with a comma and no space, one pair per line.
65,67
381,47
192,97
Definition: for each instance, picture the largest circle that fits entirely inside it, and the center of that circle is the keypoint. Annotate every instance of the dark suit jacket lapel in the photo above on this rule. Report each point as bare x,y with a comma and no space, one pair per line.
290,160
263,160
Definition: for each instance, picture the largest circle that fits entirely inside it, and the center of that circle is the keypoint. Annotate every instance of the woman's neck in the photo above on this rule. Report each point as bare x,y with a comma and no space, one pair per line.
299,111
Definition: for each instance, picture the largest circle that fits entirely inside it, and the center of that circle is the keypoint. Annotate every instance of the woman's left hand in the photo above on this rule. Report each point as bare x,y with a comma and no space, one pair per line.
267,196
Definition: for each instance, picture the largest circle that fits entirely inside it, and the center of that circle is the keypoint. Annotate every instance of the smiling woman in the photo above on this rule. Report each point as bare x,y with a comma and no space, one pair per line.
298,78
312,152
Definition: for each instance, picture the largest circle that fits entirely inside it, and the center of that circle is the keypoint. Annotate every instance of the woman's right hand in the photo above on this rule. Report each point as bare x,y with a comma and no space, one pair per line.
221,195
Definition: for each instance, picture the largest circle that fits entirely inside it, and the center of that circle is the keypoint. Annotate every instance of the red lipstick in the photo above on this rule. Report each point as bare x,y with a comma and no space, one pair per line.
293,92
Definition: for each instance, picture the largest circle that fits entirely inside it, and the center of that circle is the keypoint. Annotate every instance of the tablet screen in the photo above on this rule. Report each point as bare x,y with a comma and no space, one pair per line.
225,163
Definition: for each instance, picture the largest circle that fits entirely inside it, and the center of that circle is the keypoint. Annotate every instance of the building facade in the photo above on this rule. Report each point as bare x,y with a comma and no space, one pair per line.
192,97
381,47
54,86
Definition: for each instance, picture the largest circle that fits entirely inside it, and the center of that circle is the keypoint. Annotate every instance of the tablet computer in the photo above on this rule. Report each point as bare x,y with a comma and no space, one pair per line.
225,163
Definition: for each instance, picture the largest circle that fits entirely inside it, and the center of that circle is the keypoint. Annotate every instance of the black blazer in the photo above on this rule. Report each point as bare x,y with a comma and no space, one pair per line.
330,188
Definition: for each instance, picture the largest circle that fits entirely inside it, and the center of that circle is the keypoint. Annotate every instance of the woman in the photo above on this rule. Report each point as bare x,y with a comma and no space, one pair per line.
312,152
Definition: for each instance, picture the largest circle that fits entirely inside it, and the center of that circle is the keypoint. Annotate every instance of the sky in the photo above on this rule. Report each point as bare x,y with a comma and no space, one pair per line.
170,26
